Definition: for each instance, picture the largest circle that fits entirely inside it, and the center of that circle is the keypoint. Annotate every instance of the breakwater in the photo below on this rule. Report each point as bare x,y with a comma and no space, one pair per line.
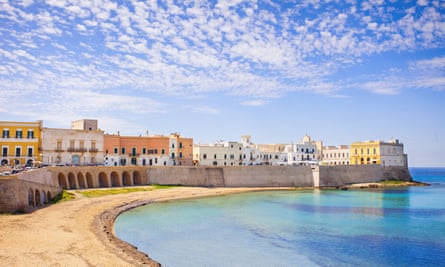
33,189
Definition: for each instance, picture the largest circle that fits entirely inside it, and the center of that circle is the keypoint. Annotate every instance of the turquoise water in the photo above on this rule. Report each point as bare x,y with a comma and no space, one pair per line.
394,227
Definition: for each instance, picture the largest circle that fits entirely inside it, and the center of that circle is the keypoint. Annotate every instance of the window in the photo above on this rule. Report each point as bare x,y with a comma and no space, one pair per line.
173,145
173,155
180,155
133,151
18,151
30,134
29,151
5,133
214,156
163,151
180,144
144,150
18,134
4,151
116,150
204,156
123,150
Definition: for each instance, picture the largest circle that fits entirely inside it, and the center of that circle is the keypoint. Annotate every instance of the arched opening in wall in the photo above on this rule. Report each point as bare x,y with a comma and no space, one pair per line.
115,179
103,180
137,179
31,197
62,181
48,197
72,180
37,198
126,178
5,162
43,198
89,180
29,162
81,180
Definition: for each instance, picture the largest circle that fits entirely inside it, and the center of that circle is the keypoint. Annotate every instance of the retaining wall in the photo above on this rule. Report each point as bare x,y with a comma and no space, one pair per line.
350,174
23,196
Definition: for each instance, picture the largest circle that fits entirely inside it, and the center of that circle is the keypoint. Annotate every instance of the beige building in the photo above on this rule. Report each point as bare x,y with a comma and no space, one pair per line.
335,155
72,147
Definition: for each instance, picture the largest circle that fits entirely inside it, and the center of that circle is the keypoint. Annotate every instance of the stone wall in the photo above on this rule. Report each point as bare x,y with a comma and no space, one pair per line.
350,174
22,195
261,176
232,176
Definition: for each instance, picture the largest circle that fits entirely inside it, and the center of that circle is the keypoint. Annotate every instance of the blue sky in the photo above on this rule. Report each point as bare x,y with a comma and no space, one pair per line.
340,71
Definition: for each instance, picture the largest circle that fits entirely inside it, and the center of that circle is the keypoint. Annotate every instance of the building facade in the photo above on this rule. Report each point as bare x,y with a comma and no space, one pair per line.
72,147
378,152
335,155
20,142
219,154
147,150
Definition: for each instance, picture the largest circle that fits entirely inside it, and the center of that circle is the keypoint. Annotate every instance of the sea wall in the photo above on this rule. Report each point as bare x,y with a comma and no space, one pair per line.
232,176
350,174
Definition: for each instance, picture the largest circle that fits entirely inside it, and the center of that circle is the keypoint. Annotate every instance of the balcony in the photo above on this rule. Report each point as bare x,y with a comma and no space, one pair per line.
93,150
59,150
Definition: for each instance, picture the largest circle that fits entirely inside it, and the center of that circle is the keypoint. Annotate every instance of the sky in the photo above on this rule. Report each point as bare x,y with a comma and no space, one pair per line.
340,71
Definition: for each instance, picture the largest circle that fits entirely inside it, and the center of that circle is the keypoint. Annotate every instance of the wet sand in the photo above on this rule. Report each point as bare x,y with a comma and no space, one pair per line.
80,232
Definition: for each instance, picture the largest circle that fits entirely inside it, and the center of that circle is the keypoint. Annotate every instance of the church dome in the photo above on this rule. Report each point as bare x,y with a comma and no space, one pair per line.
306,139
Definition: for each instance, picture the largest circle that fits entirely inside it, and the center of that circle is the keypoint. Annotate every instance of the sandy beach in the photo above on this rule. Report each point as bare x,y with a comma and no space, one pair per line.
79,232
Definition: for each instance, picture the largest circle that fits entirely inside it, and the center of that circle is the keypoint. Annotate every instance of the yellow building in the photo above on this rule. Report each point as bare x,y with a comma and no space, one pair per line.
378,152
20,142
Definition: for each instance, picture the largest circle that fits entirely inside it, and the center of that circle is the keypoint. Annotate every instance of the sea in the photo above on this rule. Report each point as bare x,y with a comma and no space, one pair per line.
386,227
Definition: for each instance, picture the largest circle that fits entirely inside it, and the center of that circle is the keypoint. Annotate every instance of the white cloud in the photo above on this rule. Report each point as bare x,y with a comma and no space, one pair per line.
254,103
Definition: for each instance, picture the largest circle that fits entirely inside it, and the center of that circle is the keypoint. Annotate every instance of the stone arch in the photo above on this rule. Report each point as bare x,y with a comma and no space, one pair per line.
38,201
48,197
137,179
103,180
90,183
30,197
126,179
72,180
62,181
81,180
114,179
5,162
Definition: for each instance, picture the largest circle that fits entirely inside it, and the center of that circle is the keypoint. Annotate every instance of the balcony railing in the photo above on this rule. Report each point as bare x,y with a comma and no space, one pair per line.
93,150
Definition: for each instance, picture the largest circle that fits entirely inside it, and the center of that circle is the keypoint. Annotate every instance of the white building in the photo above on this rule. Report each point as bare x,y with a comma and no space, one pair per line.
392,154
218,154
335,155
305,152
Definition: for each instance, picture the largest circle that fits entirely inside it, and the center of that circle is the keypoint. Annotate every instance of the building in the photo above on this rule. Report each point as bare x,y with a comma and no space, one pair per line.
72,147
378,152
148,150
218,154
335,155
20,142
85,124
302,153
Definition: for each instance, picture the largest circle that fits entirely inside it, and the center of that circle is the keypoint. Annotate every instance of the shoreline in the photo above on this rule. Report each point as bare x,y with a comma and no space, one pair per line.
80,232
